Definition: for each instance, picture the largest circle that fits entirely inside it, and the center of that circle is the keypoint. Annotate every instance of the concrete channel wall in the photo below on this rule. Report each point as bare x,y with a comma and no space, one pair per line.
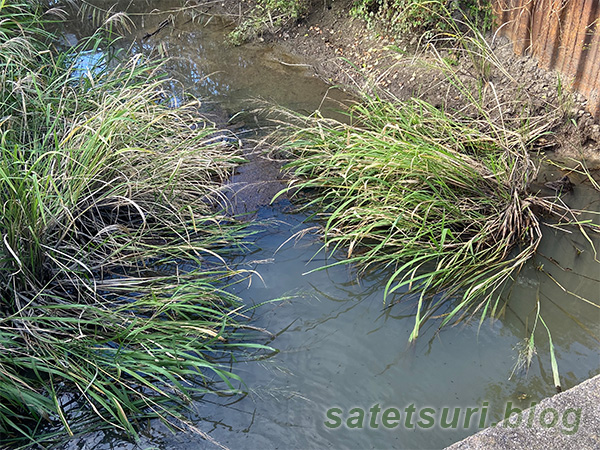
561,34
569,420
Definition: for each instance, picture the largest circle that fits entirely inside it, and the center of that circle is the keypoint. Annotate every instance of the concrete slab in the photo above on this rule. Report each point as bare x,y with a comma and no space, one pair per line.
569,420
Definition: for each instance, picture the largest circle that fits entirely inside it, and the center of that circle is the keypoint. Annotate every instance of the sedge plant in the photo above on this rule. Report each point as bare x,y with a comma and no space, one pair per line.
112,308
440,195
437,197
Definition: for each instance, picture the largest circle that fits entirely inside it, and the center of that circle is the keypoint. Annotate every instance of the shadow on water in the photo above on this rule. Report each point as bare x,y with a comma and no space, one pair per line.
339,345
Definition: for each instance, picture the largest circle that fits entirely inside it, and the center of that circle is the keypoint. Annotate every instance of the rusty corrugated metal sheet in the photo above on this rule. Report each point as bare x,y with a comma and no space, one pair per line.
562,35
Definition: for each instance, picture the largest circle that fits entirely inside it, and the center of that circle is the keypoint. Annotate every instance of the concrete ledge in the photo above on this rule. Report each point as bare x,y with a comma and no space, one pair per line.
538,431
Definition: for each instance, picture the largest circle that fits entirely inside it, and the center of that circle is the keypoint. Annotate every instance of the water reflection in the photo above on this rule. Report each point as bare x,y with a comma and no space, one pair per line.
342,347
91,61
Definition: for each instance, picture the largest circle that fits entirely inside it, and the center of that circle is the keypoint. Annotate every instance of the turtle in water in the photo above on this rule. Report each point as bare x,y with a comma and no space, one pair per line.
560,186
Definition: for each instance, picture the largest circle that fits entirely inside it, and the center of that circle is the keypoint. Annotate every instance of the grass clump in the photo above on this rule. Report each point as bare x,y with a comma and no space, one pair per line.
441,199
423,16
267,16
111,300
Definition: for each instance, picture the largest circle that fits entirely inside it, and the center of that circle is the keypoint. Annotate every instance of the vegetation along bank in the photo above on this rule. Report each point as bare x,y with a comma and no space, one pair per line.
112,307
108,193
436,173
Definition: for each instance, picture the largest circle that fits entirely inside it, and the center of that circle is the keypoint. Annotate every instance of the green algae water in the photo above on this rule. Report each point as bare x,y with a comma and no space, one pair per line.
341,350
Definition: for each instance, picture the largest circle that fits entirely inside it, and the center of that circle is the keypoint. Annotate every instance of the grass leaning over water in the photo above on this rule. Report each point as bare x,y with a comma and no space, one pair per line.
105,194
441,199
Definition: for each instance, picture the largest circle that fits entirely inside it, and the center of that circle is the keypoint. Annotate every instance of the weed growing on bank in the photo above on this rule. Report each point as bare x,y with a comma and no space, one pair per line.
111,307
440,198
267,16
423,16
440,194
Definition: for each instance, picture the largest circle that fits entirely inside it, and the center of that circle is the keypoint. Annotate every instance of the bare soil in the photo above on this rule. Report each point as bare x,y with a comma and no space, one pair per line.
346,51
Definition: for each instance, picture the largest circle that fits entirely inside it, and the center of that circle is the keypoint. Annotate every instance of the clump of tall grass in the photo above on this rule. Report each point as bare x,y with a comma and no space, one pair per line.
440,198
440,194
111,300
266,16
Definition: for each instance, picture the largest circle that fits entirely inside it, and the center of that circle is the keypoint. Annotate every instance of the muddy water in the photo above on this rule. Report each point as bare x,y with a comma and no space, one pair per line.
339,345
218,73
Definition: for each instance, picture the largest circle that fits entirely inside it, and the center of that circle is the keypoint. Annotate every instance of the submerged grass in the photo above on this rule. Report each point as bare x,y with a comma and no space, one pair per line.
110,266
440,198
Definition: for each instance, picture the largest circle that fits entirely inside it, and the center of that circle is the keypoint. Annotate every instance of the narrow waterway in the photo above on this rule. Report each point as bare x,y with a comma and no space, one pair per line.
339,345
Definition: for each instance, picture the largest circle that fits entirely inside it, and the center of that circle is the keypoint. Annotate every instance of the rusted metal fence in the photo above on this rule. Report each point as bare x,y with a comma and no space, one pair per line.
562,35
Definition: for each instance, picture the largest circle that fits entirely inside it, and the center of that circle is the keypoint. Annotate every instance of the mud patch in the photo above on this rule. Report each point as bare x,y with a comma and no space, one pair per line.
254,185
346,51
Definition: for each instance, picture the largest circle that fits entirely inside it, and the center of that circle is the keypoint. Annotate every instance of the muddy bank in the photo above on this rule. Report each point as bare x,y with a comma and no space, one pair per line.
346,51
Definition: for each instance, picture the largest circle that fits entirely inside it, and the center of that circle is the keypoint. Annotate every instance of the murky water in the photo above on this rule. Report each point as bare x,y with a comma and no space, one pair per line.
339,345
215,72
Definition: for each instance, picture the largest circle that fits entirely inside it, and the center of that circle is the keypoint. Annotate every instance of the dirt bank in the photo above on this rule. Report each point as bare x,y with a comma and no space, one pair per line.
346,51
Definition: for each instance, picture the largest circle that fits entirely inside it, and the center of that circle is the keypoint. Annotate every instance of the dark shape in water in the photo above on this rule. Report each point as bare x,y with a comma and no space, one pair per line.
560,186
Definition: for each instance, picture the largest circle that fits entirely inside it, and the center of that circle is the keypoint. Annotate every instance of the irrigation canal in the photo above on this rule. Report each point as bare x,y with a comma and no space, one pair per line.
339,346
